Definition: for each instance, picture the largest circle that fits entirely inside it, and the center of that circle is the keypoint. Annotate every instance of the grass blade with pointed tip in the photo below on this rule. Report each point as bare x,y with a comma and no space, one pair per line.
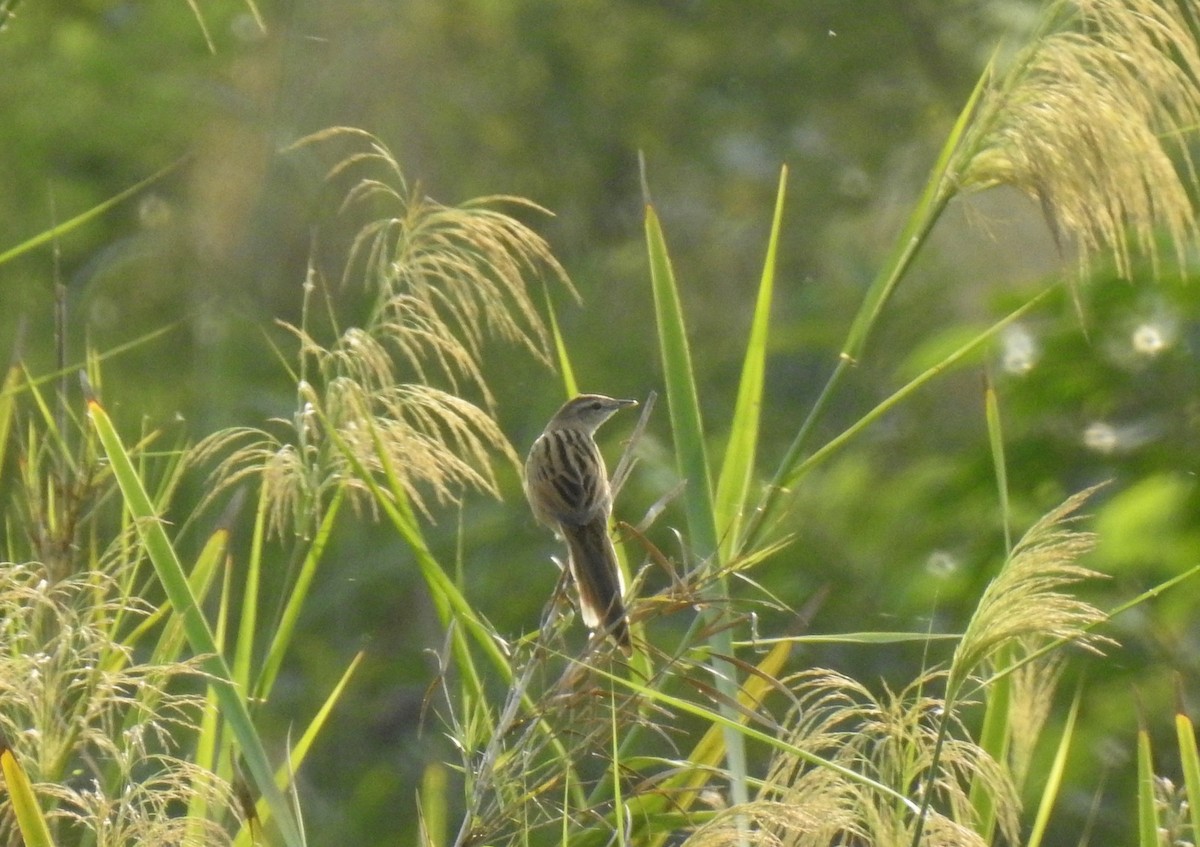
994,738
938,191
683,790
735,723
1189,760
167,648
996,440
683,401
431,801
281,639
1054,777
8,402
285,774
560,350
213,749
737,468
200,637
950,361
692,461
1147,813
80,219
30,820
243,647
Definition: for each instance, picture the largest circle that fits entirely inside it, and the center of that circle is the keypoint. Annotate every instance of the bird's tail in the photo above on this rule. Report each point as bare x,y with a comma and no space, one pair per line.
598,580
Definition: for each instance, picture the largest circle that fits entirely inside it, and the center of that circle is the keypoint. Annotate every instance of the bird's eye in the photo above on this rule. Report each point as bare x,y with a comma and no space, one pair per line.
596,405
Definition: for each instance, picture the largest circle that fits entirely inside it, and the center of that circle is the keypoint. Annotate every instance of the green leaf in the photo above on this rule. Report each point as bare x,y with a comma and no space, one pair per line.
692,461
939,189
282,637
200,637
243,647
737,469
30,820
739,727
1055,776
682,400
994,738
8,403
1147,813
172,638
996,441
94,212
1185,732
284,776
945,365
432,802
679,792
560,350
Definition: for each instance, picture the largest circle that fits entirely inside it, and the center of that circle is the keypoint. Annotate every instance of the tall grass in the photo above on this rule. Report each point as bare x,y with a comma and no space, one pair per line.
133,675
1115,82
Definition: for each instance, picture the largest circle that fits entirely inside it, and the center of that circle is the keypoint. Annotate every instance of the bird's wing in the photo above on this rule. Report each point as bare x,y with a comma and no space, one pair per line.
566,480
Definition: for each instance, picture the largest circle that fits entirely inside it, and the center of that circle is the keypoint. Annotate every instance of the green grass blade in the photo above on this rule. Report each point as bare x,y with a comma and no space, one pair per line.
682,400
243,648
435,815
1147,813
1054,777
994,738
679,793
213,751
996,441
737,468
560,350
940,188
692,461
175,583
51,430
81,219
284,775
937,193
1189,760
913,385
737,725
881,637
30,820
8,404
169,643
281,639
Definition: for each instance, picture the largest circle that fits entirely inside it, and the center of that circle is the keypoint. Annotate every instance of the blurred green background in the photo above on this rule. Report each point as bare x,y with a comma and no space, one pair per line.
553,101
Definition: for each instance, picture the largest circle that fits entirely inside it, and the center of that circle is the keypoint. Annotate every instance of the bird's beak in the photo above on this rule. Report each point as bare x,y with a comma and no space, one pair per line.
624,403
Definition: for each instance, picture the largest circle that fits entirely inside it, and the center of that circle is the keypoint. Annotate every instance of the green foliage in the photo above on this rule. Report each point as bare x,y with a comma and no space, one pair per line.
775,506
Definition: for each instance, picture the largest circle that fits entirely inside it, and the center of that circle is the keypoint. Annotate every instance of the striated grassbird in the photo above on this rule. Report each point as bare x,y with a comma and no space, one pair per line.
567,486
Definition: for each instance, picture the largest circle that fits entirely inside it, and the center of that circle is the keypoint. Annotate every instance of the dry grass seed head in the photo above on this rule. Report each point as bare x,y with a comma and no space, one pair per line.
1026,604
91,724
466,264
1090,122
776,824
147,811
445,278
891,740
1033,687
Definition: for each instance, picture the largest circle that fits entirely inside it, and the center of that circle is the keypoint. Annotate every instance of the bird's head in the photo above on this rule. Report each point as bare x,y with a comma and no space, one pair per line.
587,412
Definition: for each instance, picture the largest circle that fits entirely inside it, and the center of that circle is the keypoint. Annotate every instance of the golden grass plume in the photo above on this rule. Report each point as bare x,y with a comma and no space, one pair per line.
1092,121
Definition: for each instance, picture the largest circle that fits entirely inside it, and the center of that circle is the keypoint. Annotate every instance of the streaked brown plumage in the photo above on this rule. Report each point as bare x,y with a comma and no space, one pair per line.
567,486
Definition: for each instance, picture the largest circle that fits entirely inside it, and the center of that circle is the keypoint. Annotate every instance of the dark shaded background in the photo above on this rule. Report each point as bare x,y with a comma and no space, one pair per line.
553,101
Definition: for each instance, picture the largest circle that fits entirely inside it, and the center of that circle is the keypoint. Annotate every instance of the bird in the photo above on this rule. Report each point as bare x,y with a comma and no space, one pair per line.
566,484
